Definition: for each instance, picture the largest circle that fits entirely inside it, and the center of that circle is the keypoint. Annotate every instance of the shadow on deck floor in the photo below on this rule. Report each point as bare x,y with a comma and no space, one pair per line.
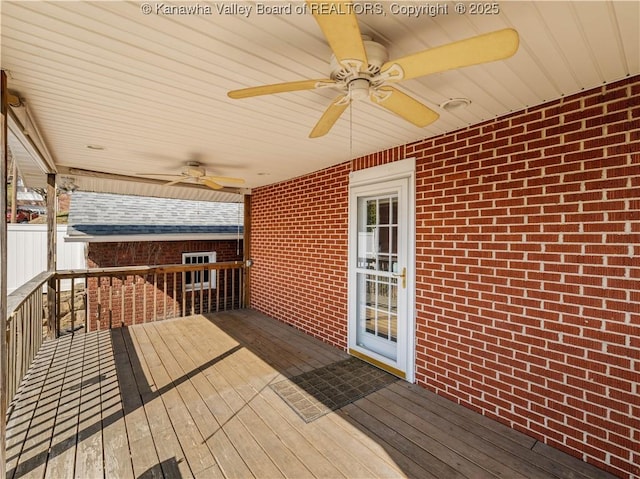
191,398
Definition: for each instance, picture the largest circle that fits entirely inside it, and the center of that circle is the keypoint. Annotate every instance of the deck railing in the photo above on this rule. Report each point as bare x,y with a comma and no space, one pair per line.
26,329
113,297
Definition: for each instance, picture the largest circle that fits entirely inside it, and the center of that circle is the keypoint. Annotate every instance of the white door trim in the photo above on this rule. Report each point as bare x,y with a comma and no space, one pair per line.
404,169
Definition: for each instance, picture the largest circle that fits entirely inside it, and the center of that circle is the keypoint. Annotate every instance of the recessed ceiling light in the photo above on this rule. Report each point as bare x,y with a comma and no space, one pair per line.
95,147
454,104
262,173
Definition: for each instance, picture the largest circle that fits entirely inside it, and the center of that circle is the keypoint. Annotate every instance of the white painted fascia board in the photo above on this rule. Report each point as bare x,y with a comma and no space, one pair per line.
21,134
151,237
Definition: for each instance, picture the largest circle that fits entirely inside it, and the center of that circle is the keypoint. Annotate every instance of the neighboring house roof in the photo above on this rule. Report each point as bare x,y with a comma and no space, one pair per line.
102,217
30,196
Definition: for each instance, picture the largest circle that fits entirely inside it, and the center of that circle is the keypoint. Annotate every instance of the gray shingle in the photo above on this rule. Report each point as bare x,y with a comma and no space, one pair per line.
104,214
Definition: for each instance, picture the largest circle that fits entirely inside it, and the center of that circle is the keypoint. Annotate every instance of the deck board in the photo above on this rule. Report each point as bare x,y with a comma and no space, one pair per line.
19,424
42,420
169,451
191,397
144,455
226,455
117,461
462,440
63,443
161,364
89,449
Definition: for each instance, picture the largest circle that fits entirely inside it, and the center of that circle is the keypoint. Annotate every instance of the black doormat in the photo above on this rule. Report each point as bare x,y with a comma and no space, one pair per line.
316,393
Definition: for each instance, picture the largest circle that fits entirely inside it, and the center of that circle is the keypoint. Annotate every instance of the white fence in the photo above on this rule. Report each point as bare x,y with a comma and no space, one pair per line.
27,253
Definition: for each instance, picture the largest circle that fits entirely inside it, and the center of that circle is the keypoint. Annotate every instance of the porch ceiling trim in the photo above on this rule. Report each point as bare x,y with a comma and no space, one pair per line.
154,237
32,163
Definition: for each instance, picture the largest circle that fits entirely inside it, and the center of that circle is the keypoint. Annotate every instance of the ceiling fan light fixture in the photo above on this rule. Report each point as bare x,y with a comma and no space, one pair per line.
455,104
359,89
193,169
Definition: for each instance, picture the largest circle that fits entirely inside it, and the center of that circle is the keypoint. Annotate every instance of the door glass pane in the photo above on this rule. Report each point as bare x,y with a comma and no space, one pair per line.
366,233
377,291
384,240
384,206
394,236
394,211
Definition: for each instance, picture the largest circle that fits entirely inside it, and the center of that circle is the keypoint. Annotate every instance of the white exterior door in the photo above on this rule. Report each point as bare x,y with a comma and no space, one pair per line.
381,267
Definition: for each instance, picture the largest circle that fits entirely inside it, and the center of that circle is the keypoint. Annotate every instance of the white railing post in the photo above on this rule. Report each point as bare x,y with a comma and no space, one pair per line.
3,276
52,235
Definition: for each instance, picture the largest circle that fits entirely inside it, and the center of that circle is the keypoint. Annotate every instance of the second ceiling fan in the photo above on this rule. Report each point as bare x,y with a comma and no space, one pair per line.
360,67
194,172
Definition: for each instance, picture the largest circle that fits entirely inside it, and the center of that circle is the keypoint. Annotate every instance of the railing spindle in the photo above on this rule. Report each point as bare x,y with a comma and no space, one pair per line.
193,297
110,302
134,280
183,293
201,287
144,299
12,358
164,303
85,298
209,290
58,308
73,304
99,305
175,299
233,288
225,291
155,296
164,310
218,290
123,290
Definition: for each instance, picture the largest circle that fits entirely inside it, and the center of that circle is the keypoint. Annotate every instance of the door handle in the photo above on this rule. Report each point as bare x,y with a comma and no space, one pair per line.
402,275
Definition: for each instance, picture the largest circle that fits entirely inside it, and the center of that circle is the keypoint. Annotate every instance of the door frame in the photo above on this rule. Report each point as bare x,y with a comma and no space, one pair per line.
405,170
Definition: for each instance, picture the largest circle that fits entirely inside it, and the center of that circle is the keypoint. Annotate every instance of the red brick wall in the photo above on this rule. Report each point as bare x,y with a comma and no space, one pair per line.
299,244
528,268
105,310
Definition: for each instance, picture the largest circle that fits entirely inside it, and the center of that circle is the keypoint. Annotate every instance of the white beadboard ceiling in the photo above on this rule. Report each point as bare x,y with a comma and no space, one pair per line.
151,89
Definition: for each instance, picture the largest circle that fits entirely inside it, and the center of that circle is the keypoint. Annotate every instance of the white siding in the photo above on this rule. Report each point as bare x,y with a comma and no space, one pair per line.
27,253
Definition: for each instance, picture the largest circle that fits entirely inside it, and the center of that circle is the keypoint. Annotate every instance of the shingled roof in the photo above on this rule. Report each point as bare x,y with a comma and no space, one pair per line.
107,217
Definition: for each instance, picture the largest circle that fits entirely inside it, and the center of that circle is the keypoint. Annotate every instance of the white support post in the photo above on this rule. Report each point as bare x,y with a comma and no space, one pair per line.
3,277
52,319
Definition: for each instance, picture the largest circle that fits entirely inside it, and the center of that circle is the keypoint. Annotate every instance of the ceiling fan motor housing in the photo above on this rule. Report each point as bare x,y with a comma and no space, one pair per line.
193,169
376,57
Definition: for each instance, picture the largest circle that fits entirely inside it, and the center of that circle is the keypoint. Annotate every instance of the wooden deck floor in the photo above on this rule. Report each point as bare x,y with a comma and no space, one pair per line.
190,398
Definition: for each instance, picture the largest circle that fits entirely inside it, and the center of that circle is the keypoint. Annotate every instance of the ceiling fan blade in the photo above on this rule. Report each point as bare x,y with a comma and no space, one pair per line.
329,117
404,106
280,88
485,48
175,182
224,179
338,22
211,184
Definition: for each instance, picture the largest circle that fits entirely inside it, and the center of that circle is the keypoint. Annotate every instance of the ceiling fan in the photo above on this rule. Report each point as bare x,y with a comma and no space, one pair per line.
194,172
360,66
